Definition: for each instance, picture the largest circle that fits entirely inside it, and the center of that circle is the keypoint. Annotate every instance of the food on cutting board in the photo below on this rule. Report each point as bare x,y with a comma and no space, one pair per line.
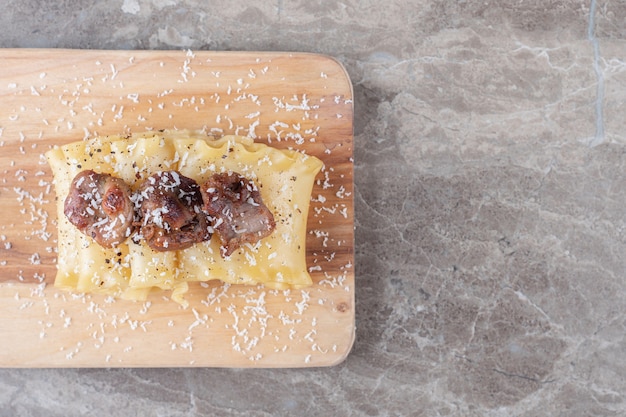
158,210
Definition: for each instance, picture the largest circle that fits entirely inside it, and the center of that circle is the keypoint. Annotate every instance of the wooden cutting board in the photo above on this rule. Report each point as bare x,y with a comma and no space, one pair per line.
52,97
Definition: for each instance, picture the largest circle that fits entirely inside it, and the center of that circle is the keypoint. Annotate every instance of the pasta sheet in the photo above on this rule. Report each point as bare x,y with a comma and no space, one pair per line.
131,270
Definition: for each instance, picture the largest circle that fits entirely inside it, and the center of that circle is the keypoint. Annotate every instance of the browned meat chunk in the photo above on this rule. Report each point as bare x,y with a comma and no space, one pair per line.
237,211
100,206
170,206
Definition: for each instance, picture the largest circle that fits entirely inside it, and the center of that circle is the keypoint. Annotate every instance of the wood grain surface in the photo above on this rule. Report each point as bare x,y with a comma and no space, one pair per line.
52,97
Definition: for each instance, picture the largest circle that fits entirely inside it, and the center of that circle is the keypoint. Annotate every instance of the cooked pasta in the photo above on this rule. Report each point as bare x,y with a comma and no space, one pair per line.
132,269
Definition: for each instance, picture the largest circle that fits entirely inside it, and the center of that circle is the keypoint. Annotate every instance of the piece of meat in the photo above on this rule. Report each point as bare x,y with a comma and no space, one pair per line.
170,209
100,206
237,211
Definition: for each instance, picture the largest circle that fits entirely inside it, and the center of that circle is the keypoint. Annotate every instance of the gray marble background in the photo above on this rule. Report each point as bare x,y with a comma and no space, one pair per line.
490,173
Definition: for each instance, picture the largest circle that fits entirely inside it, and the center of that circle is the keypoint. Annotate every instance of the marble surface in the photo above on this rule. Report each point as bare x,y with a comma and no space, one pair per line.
490,167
